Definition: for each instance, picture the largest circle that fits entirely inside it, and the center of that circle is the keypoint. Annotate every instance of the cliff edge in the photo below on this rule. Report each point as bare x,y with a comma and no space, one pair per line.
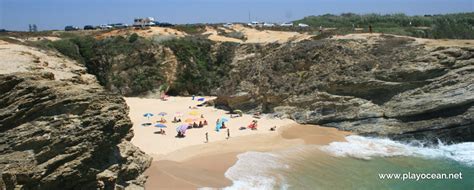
59,129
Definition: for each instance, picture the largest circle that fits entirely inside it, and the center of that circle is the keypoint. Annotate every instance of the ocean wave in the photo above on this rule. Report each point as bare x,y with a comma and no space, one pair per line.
368,147
255,170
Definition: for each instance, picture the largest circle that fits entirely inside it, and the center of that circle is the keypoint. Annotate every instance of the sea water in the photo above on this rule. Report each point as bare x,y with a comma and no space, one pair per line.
355,164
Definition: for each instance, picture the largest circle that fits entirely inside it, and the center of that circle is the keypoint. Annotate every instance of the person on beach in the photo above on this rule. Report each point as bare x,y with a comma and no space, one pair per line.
207,137
257,115
193,97
228,133
175,120
370,29
218,125
200,124
273,128
223,126
202,116
253,125
205,122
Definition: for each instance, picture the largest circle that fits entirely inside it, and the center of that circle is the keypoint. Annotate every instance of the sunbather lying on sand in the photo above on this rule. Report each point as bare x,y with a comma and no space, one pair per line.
257,115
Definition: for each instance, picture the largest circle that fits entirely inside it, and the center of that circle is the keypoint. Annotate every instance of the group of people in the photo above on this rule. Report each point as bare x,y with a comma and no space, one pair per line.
200,125
176,120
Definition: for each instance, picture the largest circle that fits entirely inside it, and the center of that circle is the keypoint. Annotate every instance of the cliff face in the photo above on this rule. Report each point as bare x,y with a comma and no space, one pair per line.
59,129
381,85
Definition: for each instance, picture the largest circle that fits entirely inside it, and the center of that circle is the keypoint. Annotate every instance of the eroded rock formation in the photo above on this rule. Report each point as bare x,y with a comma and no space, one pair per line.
61,135
384,85
59,129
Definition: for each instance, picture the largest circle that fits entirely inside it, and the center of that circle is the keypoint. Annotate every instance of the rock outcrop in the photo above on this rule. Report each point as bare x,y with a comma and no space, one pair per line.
59,129
381,85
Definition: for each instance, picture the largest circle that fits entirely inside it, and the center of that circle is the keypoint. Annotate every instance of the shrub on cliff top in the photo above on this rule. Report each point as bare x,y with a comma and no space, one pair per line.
201,66
68,48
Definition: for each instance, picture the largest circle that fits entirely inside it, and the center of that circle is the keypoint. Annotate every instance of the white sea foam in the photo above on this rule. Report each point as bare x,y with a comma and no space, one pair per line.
368,147
253,170
266,170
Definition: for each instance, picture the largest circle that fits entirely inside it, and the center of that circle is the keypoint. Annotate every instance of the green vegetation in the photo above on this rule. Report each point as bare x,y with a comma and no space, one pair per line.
199,69
120,64
454,26
191,28
132,65
68,48
126,65
133,38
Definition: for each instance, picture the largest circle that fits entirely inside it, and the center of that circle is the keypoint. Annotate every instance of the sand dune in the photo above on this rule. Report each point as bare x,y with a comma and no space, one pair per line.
149,32
269,36
253,35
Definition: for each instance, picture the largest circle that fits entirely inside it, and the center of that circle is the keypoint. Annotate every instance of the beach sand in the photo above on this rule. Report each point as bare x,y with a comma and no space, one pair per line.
158,145
190,163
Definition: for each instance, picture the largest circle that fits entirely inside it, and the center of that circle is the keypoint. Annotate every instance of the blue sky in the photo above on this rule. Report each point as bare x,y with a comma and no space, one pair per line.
55,14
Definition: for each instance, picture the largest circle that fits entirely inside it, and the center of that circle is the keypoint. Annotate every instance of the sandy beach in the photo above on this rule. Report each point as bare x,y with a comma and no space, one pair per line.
159,145
190,163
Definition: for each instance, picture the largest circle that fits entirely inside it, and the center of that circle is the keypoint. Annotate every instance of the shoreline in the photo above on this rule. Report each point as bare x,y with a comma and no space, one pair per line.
205,165
191,163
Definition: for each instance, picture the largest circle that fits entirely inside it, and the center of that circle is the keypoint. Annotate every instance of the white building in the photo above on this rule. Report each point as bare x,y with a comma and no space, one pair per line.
302,25
287,24
141,22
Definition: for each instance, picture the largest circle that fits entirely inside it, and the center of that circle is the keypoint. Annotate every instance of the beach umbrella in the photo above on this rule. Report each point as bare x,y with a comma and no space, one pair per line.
238,112
162,113
160,125
223,119
190,120
193,112
148,115
182,128
201,99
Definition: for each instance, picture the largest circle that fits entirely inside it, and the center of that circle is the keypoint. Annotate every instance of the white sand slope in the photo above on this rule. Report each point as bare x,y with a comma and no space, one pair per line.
428,43
158,145
149,32
214,35
19,58
269,36
253,35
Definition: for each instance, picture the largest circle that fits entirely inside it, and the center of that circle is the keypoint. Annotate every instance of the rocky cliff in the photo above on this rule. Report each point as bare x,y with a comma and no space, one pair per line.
374,85
59,129
371,84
